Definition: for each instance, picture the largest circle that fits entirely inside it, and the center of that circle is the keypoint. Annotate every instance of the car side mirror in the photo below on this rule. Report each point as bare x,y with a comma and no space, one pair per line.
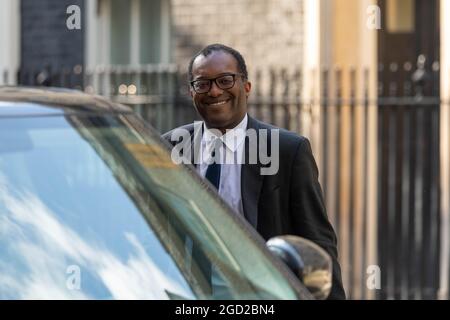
309,262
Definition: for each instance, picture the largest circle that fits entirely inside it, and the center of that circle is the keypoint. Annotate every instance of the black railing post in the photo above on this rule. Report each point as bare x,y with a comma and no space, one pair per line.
273,85
365,149
337,157
285,98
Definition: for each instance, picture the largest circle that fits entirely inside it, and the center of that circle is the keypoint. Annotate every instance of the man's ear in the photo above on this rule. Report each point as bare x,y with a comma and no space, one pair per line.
247,88
191,92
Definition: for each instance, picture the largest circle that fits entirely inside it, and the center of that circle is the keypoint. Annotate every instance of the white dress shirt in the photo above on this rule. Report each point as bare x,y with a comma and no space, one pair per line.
231,155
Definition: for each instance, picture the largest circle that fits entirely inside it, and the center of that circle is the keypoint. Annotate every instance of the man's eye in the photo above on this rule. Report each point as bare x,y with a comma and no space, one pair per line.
225,81
202,84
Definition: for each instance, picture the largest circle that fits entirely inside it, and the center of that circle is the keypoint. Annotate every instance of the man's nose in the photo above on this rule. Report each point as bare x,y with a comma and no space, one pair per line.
215,91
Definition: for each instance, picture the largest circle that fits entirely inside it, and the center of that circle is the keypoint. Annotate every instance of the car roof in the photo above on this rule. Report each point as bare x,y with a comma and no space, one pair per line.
23,100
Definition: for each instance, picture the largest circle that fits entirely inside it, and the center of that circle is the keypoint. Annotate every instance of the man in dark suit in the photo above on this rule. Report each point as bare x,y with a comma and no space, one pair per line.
277,198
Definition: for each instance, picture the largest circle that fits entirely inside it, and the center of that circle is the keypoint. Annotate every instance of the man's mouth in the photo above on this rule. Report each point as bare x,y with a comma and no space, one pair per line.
218,103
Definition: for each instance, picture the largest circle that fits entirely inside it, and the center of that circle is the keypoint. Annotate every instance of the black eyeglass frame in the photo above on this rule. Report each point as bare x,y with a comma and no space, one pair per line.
217,84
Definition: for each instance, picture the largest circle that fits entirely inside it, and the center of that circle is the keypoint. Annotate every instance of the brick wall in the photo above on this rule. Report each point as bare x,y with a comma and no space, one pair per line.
45,39
268,33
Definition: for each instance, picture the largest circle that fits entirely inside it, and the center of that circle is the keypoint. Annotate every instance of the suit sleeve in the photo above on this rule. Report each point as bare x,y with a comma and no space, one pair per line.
308,212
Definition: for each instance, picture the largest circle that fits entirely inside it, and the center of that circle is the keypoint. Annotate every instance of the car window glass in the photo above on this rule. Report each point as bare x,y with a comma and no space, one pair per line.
68,227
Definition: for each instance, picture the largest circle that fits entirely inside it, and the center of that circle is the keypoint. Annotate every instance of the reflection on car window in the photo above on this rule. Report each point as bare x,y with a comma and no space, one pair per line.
63,214
90,208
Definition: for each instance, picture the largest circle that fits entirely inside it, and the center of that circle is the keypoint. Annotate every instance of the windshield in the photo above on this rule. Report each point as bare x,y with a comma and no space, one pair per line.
93,208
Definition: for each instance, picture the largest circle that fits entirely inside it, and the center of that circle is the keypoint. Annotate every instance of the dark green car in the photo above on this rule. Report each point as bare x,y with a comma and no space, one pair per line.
92,207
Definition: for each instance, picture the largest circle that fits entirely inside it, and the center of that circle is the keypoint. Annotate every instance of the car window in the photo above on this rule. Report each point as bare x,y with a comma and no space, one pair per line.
90,207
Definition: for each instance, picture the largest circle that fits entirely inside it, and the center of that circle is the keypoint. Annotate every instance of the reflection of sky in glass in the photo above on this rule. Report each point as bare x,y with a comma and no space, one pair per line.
56,210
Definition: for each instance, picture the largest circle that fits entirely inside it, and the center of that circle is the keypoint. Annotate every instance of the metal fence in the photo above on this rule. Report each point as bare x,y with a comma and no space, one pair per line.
154,92
376,143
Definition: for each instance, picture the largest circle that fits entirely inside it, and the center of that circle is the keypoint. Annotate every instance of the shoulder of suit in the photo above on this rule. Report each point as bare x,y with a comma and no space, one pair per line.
188,127
286,137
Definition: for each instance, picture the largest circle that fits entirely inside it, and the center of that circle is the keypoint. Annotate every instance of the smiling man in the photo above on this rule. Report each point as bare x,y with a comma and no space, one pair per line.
286,201
219,89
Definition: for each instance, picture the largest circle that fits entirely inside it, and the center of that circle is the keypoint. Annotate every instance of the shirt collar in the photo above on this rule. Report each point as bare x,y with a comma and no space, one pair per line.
232,138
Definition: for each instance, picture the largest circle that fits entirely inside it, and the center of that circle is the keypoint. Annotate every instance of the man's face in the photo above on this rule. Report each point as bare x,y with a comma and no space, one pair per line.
220,108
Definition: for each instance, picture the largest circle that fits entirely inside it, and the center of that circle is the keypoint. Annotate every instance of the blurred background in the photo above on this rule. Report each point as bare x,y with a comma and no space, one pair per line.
368,82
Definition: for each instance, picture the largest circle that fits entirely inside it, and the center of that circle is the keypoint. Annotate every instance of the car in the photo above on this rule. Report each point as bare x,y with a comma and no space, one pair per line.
92,207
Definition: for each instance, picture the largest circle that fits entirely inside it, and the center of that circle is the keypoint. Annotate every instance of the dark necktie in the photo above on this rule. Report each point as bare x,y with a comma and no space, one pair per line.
213,171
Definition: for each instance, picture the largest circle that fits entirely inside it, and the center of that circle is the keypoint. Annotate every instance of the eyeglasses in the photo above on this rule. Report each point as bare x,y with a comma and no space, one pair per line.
223,82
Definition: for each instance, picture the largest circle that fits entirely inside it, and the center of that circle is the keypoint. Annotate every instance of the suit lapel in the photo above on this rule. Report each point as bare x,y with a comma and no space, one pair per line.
251,180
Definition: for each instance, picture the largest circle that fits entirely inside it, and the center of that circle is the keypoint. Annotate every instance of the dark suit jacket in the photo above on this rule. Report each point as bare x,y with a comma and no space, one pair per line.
288,202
